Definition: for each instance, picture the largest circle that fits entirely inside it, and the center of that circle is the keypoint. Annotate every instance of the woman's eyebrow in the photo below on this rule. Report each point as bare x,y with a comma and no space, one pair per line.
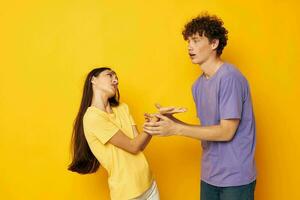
110,72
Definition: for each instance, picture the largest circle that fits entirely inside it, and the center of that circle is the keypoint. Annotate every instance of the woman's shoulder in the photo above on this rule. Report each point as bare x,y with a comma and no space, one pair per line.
92,113
122,105
122,108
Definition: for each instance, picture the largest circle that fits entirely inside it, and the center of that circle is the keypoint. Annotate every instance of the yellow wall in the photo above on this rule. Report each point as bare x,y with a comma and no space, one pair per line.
47,47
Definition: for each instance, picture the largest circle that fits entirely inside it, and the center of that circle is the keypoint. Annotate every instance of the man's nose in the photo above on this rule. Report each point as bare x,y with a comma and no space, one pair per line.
189,47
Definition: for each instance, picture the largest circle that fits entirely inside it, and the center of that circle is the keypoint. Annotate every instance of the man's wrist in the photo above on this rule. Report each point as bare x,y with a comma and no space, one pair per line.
178,129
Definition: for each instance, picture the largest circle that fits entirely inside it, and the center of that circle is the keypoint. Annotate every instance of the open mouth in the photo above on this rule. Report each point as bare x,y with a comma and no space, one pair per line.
192,54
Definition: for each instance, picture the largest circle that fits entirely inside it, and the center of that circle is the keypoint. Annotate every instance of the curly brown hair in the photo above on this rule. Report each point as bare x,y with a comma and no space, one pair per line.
209,25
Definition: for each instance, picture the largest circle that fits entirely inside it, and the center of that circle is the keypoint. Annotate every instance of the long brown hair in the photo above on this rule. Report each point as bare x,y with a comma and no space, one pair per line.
84,161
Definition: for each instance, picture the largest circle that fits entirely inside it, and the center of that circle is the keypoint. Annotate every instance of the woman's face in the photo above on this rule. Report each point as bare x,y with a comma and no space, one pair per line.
106,82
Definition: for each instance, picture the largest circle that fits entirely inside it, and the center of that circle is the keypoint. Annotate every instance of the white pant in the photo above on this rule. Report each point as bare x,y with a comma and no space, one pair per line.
151,194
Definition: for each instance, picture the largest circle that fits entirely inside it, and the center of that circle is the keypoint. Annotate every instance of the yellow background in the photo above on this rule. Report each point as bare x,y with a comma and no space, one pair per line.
47,48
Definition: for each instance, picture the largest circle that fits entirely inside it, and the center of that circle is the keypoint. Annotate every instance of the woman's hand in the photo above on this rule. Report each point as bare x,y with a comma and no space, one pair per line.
150,117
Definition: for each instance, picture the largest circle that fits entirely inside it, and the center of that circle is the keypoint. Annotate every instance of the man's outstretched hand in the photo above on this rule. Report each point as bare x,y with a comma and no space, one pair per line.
164,126
171,110
163,123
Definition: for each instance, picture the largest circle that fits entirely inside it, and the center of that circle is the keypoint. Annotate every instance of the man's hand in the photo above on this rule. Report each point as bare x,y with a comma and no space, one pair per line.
169,111
164,127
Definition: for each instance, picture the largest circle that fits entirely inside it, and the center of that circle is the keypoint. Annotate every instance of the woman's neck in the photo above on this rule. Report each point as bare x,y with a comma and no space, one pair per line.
101,102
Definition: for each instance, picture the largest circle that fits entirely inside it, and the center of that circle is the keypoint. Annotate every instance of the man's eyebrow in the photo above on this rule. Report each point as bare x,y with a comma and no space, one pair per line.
194,38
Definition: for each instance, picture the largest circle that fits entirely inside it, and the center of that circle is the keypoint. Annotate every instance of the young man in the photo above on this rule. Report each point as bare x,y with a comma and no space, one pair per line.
224,107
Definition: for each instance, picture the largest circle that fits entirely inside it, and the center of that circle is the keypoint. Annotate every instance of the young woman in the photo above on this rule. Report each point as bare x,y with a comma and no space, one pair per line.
105,132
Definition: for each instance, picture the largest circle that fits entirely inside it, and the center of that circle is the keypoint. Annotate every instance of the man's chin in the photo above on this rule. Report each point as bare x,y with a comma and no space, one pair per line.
195,61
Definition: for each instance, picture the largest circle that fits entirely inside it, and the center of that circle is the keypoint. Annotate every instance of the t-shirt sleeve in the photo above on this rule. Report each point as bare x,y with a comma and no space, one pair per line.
101,127
132,122
231,98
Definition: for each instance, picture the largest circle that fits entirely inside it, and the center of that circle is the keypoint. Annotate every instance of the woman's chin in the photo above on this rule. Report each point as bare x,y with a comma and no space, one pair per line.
112,94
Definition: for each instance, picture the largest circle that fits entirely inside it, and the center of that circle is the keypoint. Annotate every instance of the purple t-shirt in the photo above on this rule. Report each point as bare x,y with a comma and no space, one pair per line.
226,95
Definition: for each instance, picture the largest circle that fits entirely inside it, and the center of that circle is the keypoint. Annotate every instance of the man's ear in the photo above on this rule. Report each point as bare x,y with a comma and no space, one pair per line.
214,44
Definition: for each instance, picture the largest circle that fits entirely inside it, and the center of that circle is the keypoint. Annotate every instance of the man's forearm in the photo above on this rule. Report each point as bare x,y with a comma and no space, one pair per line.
177,120
208,133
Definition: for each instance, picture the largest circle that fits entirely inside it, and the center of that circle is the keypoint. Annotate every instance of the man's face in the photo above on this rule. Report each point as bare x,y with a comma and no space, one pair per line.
200,49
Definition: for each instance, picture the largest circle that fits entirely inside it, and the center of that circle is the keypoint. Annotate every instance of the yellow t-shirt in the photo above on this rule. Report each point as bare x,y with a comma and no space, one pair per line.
129,175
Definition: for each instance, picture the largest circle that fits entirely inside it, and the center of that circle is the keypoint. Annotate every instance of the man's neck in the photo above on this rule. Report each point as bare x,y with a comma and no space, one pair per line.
211,66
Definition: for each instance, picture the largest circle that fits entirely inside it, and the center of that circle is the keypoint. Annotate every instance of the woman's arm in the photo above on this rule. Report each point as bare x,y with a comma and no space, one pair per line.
136,132
134,145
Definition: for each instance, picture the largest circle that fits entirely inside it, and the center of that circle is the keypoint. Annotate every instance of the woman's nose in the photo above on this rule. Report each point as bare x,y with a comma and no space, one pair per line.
115,81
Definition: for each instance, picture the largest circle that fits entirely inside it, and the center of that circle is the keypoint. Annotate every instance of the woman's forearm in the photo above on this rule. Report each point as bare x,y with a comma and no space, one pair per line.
141,141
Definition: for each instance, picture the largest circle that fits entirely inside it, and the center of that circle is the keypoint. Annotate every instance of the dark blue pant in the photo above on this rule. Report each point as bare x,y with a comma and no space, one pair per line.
244,192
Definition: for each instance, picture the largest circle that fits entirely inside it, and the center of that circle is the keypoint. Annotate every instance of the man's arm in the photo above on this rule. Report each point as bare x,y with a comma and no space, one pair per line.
168,126
176,120
222,132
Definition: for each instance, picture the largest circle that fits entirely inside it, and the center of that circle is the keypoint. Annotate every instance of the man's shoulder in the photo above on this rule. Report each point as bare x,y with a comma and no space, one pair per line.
230,71
196,82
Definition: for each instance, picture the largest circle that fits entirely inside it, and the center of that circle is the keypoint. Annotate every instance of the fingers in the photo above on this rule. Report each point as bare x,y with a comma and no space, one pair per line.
151,117
151,130
162,117
167,110
163,109
170,109
147,119
157,105
151,124
181,109
148,115
154,119
178,110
